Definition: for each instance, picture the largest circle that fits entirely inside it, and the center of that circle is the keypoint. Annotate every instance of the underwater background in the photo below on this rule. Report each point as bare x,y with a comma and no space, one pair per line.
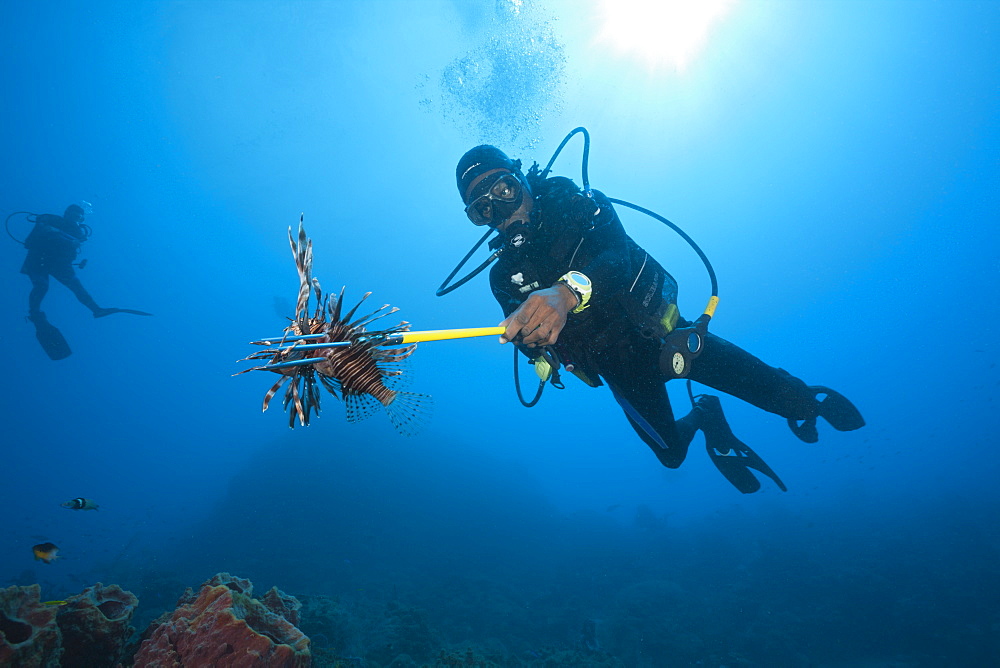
839,163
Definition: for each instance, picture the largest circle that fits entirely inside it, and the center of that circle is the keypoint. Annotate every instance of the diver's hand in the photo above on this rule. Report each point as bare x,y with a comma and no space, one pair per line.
542,316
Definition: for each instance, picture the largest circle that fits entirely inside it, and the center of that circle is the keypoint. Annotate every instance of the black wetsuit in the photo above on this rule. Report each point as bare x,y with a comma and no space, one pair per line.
53,245
617,337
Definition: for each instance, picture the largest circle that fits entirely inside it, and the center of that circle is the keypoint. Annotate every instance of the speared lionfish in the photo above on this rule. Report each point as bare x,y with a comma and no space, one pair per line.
350,363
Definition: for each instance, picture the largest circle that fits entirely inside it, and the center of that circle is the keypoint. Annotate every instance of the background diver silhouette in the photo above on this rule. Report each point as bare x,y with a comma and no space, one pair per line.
53,245
569,279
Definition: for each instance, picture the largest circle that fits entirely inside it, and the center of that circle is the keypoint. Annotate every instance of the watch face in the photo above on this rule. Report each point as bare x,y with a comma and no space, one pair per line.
678,363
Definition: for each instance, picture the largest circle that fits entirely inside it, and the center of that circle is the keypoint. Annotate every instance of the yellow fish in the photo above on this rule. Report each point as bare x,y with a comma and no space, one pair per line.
45,552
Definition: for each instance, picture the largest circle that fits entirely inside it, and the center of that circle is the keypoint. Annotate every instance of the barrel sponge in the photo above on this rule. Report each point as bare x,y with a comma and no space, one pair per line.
95,626
29,634
222,626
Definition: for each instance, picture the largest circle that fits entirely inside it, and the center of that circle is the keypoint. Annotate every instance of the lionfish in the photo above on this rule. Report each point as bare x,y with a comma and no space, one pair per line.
349,363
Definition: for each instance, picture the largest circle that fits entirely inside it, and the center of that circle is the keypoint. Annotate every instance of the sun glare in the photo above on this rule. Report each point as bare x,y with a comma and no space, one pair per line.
663,33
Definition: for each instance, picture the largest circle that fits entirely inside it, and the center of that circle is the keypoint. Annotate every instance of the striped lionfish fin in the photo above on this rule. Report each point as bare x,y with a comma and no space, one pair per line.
373,316
360,406
335,304
292,398
409,411
350,314
302,252
274,390
394,365
332,385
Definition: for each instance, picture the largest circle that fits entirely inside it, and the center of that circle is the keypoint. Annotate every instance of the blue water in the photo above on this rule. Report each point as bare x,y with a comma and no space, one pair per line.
839,162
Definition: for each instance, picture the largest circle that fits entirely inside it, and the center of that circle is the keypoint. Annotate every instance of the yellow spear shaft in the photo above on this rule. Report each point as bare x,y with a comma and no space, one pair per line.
380,340
445,334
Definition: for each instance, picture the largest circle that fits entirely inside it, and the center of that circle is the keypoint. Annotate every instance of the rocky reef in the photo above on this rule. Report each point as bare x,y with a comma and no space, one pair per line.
219,625
89,630
223,625
29,634
95,626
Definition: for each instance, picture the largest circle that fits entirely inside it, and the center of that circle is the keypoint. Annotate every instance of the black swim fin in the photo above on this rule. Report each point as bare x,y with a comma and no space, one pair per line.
731,456
100,313
53,342
835,408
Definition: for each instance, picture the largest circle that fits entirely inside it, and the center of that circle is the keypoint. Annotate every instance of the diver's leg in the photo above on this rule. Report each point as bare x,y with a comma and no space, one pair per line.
648,410
68,277
39,288
730,369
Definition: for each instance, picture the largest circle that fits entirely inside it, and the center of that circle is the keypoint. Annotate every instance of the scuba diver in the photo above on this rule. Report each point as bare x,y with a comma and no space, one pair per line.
577,290
53,245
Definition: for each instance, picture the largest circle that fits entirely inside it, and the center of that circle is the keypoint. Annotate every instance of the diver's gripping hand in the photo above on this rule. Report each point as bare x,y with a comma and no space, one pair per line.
538,321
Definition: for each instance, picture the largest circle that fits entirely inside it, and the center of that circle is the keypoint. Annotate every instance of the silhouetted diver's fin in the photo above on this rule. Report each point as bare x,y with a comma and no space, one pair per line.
100,313
835,408
731,456
53,342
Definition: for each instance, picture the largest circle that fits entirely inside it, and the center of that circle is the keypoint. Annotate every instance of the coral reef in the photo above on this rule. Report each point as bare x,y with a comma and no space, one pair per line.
403,637
239,585
95,626
29,634
282,604
224,626
328,622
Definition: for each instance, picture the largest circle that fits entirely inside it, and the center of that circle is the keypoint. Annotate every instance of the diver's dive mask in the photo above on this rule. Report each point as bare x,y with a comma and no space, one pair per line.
74,213
498,203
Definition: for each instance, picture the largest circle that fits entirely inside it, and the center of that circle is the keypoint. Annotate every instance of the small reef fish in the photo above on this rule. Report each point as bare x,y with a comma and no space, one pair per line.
80,503
45,552
54,604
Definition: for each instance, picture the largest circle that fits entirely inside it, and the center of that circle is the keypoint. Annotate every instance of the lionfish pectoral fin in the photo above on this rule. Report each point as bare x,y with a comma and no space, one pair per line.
332,385
409,411
292,396
359,407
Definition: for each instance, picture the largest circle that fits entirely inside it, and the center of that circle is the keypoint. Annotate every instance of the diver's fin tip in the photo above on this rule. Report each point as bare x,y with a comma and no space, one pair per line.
806,431
52,340
838,410
731,456
103,312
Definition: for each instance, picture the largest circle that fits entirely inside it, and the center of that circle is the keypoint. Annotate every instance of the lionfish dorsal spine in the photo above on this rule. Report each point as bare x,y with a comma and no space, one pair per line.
336,305
318,293
350,314
302,252
373,316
